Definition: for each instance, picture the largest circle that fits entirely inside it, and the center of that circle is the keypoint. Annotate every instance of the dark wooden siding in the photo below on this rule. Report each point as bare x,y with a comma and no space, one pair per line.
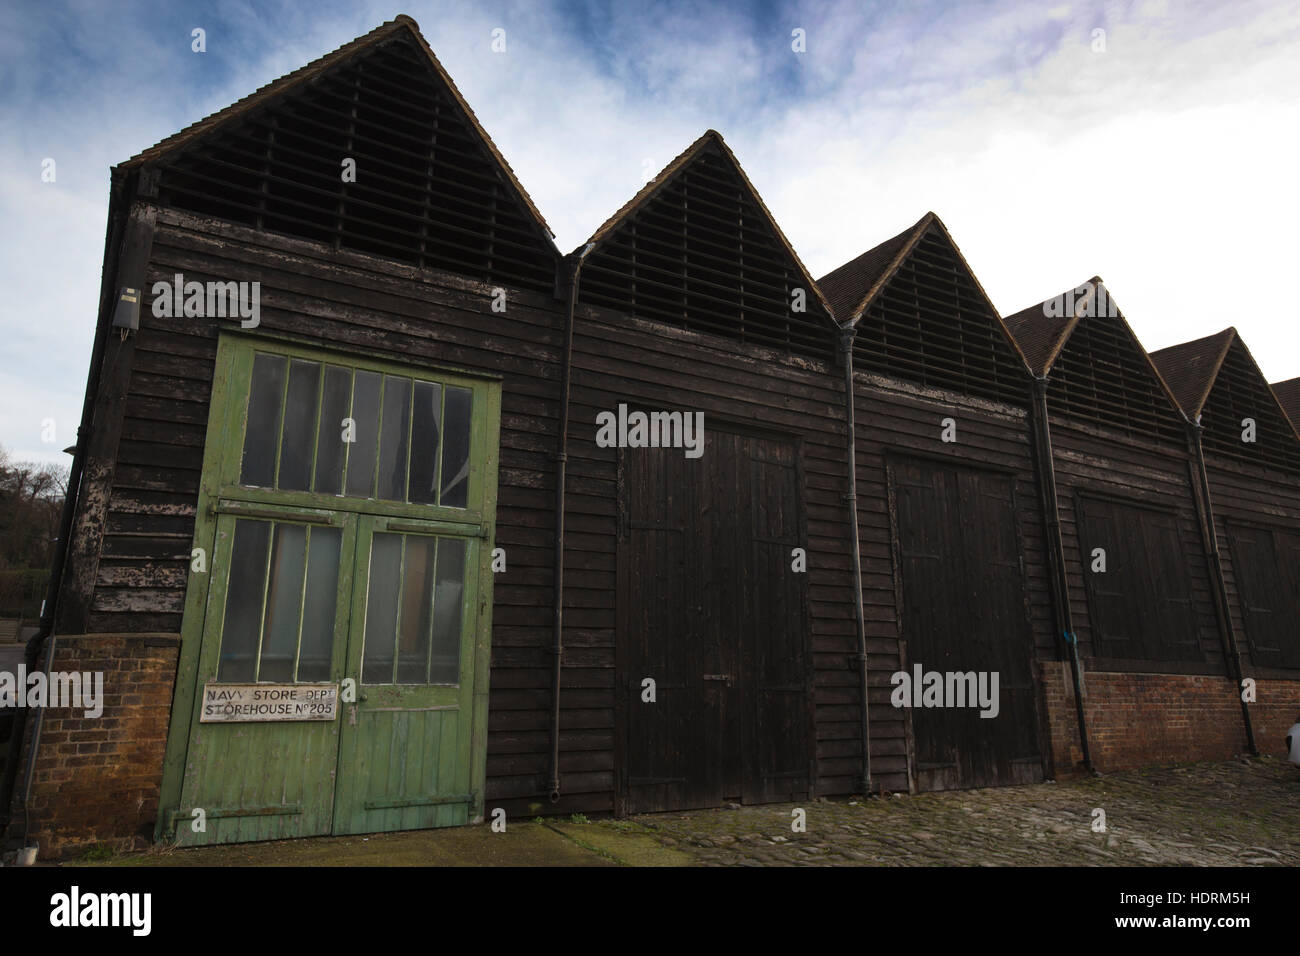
620,359
894,418
1260,497
1107,463
353,301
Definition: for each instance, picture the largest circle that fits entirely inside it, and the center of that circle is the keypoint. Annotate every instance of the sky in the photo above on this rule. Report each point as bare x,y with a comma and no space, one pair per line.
1159,153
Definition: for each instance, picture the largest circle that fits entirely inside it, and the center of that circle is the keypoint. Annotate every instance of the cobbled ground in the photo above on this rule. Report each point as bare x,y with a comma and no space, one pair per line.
1234,813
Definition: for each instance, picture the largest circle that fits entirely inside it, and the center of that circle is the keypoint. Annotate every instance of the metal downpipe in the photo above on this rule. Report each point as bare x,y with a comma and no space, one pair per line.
561,462
1222,607
1056,556
847,334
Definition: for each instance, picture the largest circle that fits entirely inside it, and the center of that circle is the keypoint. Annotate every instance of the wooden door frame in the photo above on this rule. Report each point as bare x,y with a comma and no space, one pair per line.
622,684
222,442
892,457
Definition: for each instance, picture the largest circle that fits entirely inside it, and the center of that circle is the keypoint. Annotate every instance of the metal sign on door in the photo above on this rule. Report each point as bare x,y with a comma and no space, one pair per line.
235,703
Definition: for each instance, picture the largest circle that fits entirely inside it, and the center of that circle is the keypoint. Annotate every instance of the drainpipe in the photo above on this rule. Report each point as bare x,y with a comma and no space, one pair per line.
561,460
1205,512
1057,578
847,333
43,639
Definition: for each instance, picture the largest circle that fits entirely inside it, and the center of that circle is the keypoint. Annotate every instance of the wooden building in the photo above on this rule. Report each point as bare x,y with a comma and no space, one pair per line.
1251,465
387,514
1142,646
948,508
358,483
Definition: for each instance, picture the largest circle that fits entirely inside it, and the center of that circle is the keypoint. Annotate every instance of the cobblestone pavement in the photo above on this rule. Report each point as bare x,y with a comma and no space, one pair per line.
1235,813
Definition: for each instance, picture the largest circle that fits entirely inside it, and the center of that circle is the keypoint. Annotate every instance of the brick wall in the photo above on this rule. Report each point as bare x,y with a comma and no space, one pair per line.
1062,720
1137,720
1276,708
96,780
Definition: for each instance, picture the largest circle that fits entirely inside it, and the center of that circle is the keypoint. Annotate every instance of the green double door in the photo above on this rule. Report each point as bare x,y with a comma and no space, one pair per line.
335,654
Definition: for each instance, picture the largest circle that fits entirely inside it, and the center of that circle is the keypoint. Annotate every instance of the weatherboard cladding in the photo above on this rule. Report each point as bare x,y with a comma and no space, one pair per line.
1255,487
1111,414
685,304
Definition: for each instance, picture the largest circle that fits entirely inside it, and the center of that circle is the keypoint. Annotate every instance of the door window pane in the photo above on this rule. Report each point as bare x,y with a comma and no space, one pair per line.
426,428
408,441
447,606
417,610
319,603
283,601
413,607
392,448
299,430
362,449
382,593
455,448
336,398
264,399
245,590
281,596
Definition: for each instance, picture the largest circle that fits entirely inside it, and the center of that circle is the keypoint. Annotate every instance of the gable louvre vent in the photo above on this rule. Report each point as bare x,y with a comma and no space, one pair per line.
1238,393
700,255
427,191
931,325
1100,378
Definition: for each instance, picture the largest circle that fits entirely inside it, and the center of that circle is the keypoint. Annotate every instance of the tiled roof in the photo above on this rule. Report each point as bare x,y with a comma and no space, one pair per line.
1190,368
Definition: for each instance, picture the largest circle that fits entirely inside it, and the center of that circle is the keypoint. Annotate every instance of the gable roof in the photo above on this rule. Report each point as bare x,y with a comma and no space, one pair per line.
922,316
710,138
1288,396
1190,368
1220,367
852,284
861,280
1117,391
275,90
1040,335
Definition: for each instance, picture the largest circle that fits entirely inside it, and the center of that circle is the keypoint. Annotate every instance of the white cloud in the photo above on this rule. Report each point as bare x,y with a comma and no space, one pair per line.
1164,164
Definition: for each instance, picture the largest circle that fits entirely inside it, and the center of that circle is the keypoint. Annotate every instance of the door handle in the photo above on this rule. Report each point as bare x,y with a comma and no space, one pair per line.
719,677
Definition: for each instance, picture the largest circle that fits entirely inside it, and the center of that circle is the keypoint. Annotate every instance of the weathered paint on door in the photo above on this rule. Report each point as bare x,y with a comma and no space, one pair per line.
406,746
711,610
365,564
964,611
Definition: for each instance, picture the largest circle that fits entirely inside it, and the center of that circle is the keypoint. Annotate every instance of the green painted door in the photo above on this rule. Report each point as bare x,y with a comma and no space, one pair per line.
405,741
278,613
346,513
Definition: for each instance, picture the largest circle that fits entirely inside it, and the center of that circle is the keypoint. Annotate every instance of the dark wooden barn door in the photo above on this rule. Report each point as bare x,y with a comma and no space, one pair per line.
963,611
711,611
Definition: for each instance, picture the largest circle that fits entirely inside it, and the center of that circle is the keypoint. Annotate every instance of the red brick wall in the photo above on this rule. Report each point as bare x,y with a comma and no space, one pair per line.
1137,720
1276,708
1062,719
97,779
